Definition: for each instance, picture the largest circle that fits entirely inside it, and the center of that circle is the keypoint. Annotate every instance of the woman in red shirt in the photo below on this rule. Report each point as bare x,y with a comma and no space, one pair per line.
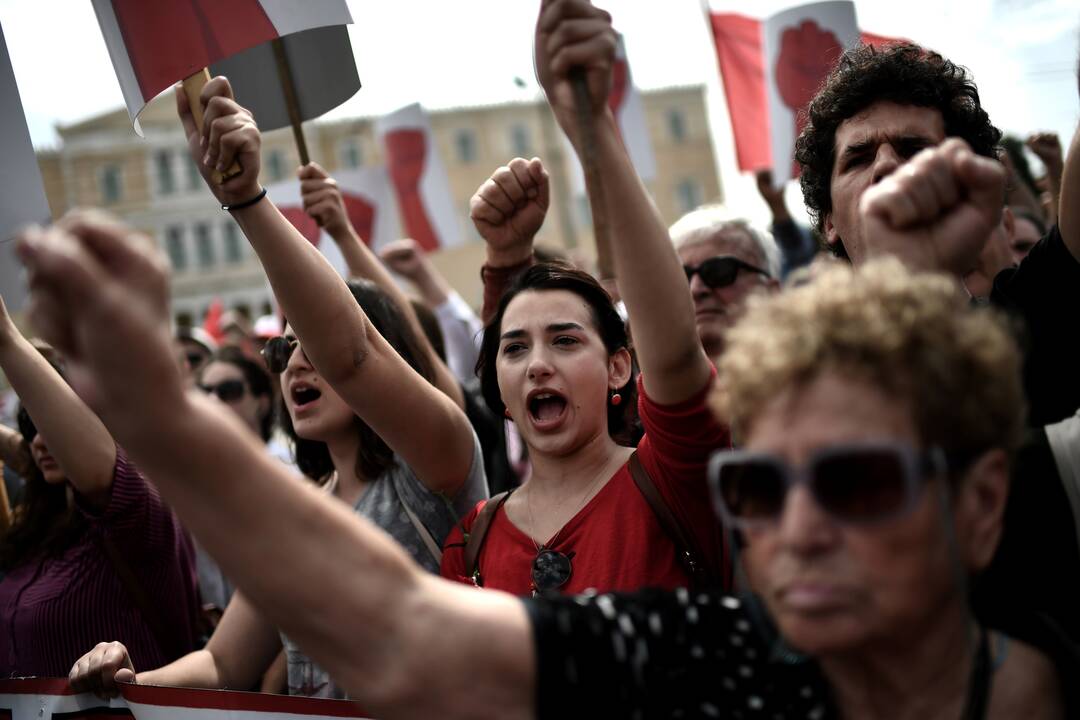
555,358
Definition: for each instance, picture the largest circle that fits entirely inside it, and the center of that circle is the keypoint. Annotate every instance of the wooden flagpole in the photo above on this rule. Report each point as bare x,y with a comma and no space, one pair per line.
291,102
193,85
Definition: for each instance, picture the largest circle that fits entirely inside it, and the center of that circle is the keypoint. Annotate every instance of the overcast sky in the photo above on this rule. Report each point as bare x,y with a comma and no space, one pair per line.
444,53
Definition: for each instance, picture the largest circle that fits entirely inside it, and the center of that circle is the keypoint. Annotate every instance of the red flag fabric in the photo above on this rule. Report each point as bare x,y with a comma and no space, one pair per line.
740,55
212,322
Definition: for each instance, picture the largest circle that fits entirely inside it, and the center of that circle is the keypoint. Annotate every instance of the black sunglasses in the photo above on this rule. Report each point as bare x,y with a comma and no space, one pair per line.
228,391
277,351
855,484
720,271
196,360
551,570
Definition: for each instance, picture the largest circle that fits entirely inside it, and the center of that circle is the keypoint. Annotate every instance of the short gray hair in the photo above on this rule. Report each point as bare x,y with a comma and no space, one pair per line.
701,223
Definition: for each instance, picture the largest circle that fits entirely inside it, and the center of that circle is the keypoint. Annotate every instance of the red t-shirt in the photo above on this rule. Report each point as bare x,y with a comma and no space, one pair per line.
616,541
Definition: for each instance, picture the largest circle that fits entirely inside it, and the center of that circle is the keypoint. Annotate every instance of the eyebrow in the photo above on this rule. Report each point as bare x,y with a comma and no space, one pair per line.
552,328
904,139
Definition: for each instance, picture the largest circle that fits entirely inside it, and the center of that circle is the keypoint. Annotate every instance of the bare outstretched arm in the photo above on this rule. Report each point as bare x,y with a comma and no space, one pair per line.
429,431
323,201
574,34
380,626
76,438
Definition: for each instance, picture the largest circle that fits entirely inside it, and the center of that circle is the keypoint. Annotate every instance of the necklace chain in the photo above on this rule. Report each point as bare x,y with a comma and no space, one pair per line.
540,547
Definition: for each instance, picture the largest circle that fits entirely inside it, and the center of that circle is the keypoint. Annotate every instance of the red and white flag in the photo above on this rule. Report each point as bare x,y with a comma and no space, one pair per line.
369,203
629,111
156,43
53,699
419,178
770,71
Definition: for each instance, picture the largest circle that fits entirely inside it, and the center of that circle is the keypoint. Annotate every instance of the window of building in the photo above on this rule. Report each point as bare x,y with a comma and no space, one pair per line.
520,142
204,245
164,168
111,188
351,155
234,248
275,165
465,142
676,123
688,195
174,246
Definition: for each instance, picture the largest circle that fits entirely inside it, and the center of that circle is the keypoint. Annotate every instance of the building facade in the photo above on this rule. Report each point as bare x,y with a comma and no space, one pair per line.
152,184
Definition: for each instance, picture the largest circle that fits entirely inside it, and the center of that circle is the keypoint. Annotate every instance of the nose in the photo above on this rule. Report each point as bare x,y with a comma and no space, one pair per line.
39,444
698,289
805,529
885,162
539,368
298,361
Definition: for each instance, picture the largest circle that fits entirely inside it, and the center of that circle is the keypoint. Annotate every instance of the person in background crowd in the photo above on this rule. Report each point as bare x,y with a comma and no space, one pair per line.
195,346
460,326
92,550
869,498
797,242
1047,147
726,260
1028,229
889,114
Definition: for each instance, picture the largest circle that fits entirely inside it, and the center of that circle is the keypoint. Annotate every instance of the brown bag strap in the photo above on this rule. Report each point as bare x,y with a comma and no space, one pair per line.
699,574
137,593
474,539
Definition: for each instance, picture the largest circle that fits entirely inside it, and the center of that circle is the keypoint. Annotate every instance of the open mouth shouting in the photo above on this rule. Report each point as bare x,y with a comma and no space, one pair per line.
547,409
304,396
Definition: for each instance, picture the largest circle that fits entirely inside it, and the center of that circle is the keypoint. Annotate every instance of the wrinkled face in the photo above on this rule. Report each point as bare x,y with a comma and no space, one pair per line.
1025,235
45,462
248,407
833,587
717,309
316,411
869,147
554,372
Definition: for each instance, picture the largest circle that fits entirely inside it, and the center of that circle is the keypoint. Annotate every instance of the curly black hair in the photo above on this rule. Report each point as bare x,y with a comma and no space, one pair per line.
903,73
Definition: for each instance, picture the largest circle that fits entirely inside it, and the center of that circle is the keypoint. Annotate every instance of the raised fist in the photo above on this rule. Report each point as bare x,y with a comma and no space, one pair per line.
509,209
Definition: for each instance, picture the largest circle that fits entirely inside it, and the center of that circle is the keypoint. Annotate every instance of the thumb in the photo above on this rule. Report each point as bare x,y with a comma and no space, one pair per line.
984,180
124,675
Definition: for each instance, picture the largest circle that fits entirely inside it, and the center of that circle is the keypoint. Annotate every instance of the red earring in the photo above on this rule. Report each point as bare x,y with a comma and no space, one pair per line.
616,399
506,412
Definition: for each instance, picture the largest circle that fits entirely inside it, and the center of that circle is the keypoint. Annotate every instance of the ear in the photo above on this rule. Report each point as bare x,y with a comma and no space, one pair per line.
620,365
982,496
832,237
1008,221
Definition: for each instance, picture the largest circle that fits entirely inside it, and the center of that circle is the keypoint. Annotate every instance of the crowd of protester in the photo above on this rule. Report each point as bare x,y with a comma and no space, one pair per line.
764,482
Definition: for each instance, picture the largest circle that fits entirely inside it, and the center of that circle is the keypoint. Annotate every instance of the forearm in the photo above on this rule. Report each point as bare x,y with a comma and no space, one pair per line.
194,670
363,263
330,324
77,439
650,278
285,544
1069,198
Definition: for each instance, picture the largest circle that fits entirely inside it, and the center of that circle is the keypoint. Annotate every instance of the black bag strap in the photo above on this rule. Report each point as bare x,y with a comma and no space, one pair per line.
474,540
137,593
689,558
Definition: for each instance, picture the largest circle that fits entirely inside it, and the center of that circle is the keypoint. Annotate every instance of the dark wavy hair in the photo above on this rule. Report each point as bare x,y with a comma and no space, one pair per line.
257,378
904,74
375,456
612,330
46,523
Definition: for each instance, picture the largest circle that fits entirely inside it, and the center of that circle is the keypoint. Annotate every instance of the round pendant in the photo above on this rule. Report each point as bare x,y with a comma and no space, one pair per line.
550,570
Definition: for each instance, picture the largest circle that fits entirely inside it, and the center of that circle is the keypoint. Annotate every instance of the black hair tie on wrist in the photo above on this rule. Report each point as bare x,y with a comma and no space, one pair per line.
246,203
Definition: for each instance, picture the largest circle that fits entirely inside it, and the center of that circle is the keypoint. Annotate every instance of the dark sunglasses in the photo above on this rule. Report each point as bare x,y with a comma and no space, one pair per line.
855,484
551,570
277,351
195,360
228,391
720,271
